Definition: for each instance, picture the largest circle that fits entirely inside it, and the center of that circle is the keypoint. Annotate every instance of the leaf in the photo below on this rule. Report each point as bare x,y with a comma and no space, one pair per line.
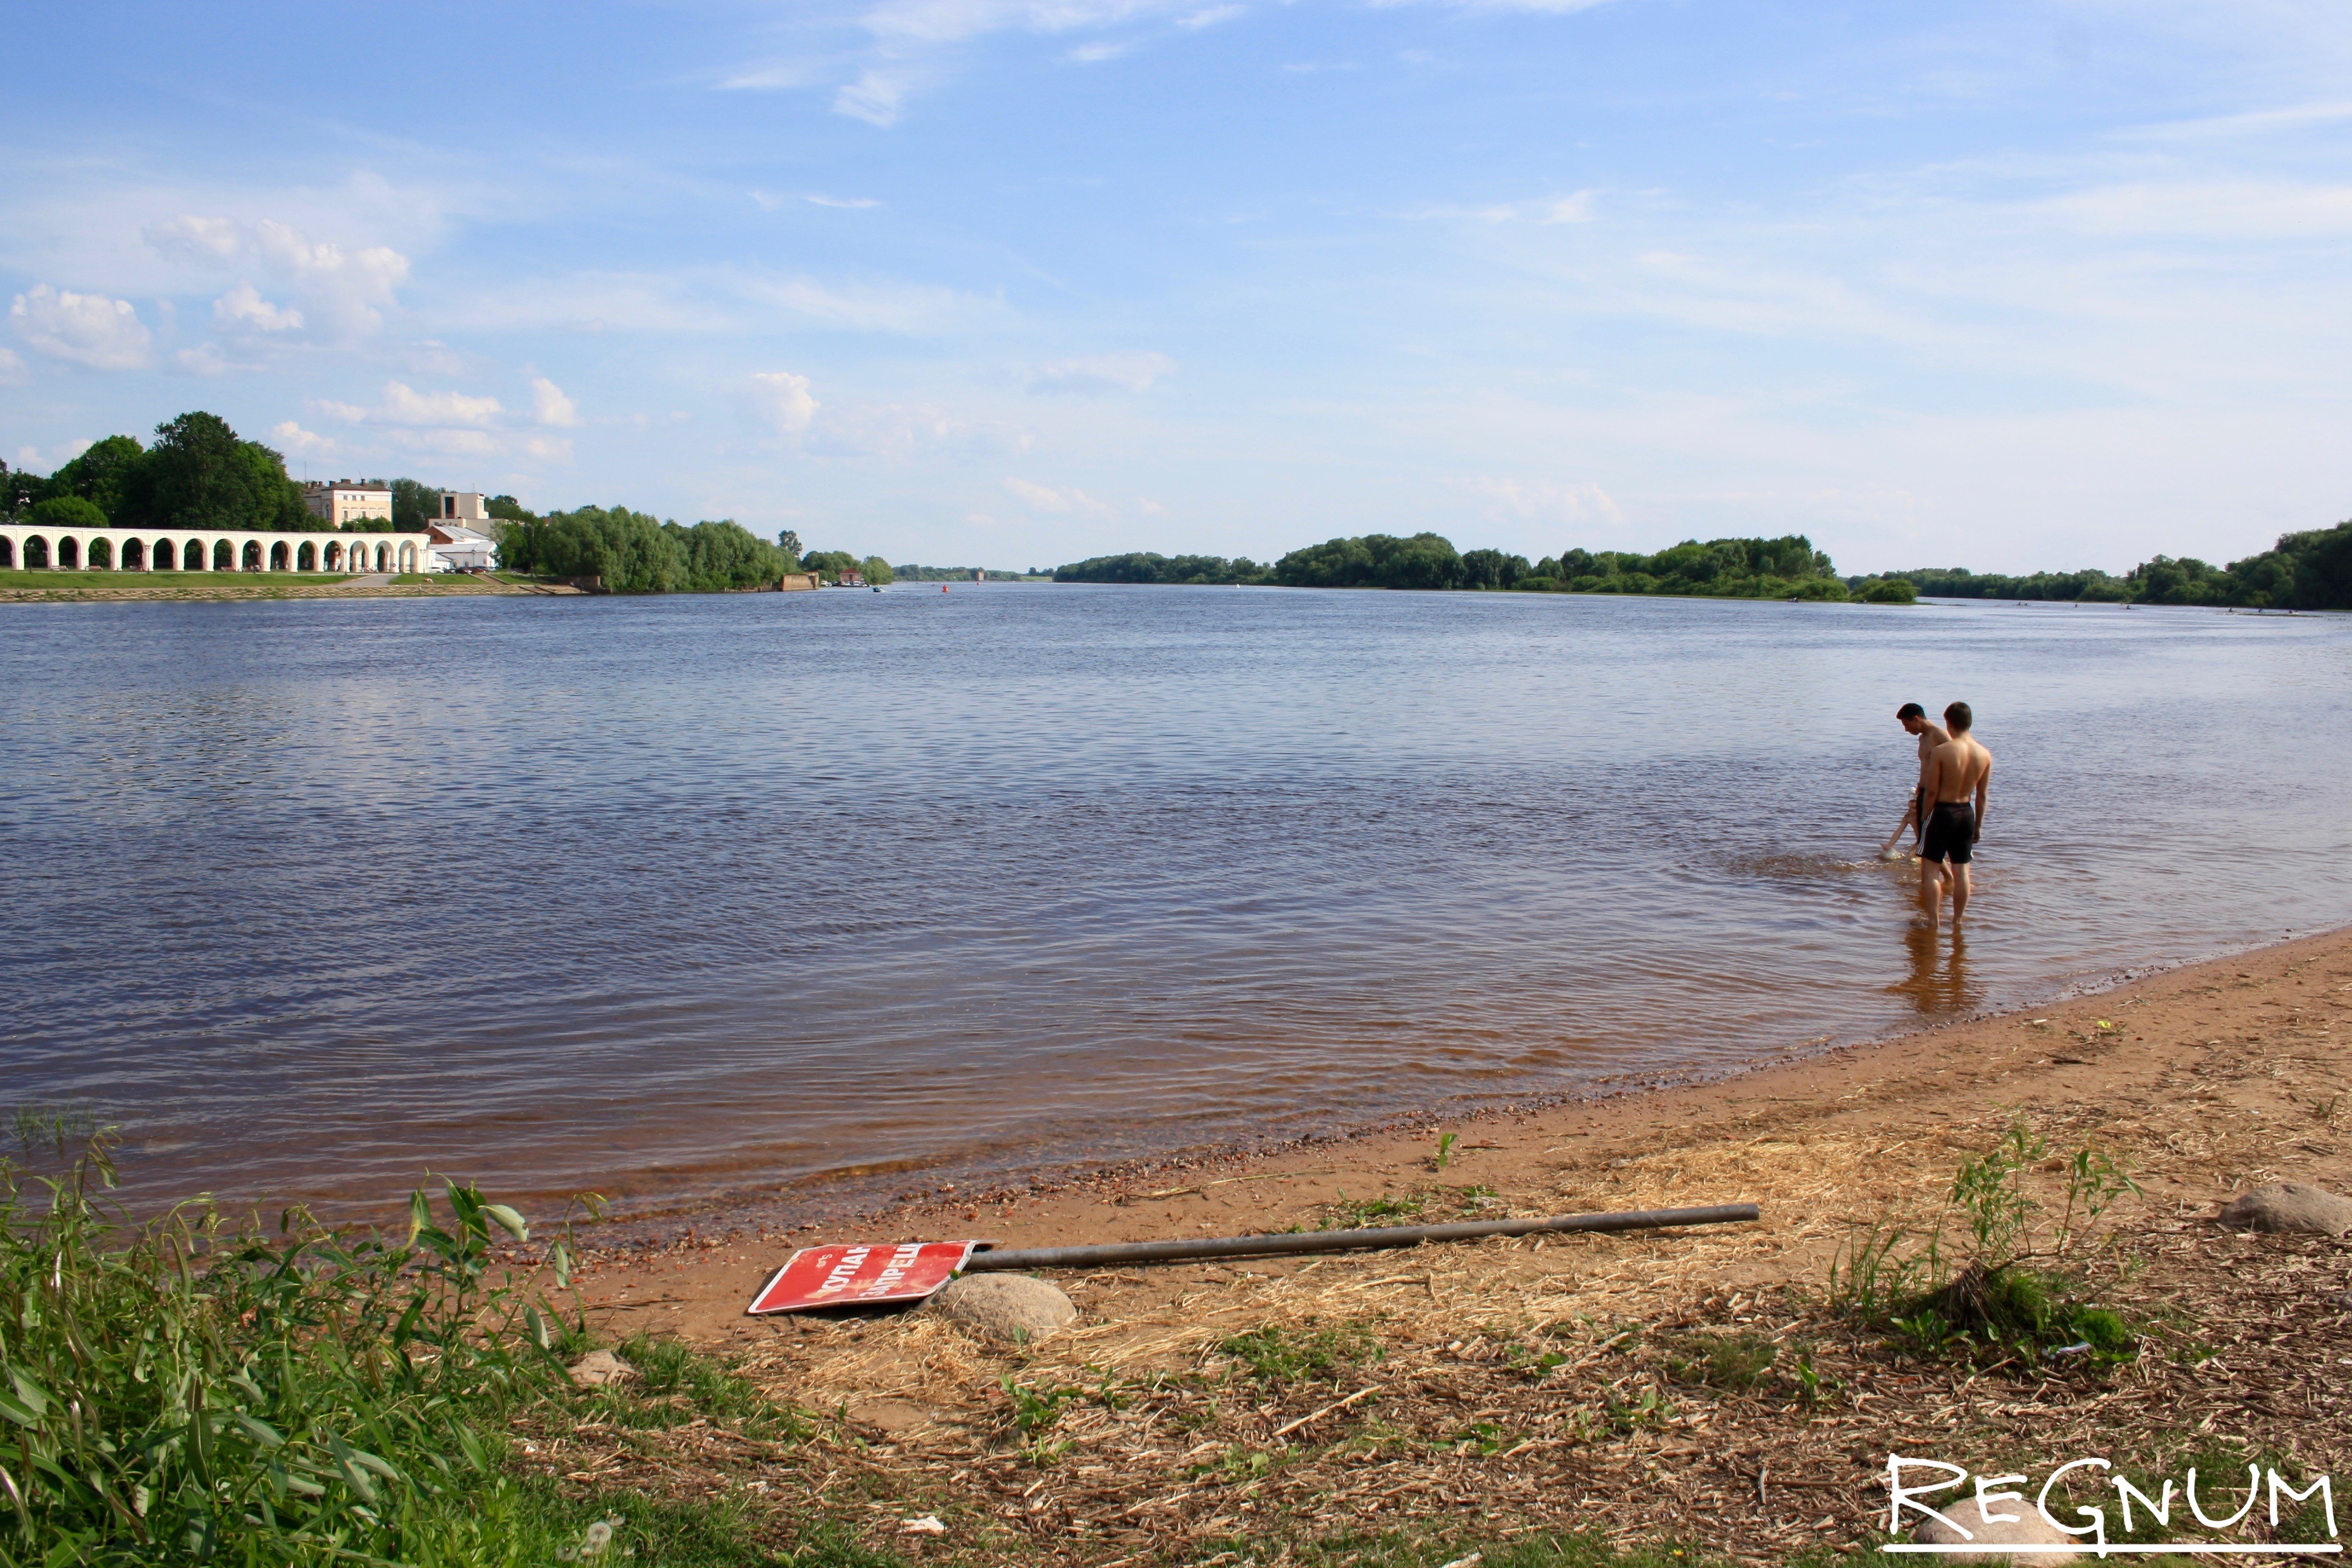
420,1215
35,1397
268,1436
508,1221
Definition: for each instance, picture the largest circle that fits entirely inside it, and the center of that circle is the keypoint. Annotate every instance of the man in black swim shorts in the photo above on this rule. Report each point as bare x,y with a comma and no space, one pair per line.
1915,722
1955,787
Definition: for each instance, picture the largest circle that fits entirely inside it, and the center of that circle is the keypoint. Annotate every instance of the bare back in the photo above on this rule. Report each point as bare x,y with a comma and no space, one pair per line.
1957,769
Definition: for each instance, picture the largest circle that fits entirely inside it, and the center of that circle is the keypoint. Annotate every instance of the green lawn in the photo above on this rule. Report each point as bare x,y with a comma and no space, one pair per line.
64,580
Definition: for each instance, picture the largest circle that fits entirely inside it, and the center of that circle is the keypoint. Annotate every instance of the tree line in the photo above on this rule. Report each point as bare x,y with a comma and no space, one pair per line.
1783,568
199,473
2311,570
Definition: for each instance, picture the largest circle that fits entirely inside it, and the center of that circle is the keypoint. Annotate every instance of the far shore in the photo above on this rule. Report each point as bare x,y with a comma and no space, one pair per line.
2201,1082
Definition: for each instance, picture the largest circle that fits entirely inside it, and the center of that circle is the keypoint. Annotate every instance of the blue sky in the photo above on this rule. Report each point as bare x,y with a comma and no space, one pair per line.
1017,281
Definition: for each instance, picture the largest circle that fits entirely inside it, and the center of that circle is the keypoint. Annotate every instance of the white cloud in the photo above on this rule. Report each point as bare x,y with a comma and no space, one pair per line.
1209,18
1095,53
777,402
1102,372
1551,501
296,442
88,329
877,97
403,407
206,359
550,406
14,372
854,203
242,307
401,404
347,288
1149,508
1060,502
549,448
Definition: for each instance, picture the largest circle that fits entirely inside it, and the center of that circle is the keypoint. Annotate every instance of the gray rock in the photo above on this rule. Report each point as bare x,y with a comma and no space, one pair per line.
599,1368
1012,1307
2029,1529
2289,1206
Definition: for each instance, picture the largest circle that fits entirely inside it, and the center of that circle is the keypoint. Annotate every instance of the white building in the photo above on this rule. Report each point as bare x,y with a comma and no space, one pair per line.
347,501
457,548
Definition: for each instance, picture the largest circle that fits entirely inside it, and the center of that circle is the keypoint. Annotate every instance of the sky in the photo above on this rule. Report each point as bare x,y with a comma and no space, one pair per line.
1012,282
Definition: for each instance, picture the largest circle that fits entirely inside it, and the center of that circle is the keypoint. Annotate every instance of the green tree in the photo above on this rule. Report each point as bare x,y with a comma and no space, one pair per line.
277,500
789,541
413,504
18,491
829,562
724,555
199,475
630,551
99,475
1374,561
509,509
876,571
65,511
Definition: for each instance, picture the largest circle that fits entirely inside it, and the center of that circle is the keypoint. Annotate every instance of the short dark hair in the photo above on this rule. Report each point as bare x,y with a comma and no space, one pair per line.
1959,717
1910,711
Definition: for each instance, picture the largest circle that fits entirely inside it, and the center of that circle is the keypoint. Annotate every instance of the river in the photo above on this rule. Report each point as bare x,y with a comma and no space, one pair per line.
789,901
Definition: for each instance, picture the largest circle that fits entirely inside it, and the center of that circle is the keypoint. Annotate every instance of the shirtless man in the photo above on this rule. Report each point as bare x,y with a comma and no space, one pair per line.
1915,722
1953,788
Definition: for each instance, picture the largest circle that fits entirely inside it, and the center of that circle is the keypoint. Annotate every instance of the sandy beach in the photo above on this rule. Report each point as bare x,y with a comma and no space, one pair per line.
2202,1082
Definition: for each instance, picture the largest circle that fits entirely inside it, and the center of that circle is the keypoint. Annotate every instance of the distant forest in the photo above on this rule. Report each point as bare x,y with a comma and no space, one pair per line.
966,573
1785,568
2307,571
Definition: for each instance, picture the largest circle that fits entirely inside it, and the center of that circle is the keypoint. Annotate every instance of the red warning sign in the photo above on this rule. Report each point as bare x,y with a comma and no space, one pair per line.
861,1274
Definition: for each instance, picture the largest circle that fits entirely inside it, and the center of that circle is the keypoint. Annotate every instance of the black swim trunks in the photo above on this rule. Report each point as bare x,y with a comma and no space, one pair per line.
1951,832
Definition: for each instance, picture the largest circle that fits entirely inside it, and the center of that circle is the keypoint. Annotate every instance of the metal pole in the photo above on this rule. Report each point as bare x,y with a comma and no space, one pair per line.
1369,1239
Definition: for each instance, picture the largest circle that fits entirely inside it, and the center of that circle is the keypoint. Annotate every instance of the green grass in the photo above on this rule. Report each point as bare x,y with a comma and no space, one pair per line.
1274,1355
62,580
196,1389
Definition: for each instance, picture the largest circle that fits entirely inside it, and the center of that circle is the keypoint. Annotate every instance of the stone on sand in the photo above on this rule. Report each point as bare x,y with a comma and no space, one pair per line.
2028,1527
2289,1206
1012,1307
598,1368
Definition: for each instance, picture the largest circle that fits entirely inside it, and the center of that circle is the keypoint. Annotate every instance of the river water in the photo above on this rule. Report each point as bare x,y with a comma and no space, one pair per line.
790,900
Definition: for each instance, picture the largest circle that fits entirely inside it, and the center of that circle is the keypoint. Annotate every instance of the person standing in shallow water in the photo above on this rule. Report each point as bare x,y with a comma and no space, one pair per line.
1953,789
1915,722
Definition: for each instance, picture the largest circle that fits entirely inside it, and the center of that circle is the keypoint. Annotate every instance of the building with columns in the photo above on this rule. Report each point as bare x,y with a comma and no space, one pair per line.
28,545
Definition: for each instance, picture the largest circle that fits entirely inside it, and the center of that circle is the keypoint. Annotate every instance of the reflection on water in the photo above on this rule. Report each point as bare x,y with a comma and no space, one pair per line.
797,894
1938,983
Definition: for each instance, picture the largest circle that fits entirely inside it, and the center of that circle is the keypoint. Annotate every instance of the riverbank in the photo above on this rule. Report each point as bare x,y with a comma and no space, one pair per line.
1704,1387
98,587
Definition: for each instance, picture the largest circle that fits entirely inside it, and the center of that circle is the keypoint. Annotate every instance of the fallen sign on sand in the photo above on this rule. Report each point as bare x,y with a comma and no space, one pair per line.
871,1274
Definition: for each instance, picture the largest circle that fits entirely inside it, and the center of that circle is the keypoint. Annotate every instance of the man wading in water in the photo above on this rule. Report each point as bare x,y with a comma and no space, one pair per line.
1914,720
1953,788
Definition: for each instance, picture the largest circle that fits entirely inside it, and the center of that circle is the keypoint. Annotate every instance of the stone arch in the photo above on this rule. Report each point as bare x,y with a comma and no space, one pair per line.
7,552
134,555
334,555
408,557
250,556
68,553
383,557
223,558
279,557
37,552
192,558
99,557
306,557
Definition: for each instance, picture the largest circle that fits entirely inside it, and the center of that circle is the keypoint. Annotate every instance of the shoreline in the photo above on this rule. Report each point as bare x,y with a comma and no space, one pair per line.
775,1213
1063,1207
1698,1387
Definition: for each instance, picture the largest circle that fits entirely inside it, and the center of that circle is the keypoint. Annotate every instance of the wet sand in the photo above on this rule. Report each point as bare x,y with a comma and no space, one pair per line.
1436,1421
2207,1080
